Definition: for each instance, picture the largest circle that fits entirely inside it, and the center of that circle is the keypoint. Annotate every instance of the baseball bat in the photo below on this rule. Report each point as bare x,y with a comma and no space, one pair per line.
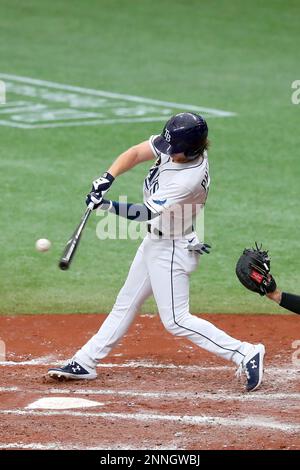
72,244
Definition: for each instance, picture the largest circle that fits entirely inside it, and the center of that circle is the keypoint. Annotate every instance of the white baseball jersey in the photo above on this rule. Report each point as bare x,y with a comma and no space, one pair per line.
175,191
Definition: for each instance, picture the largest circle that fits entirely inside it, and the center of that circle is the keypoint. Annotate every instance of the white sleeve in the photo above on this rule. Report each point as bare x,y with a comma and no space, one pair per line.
170,196
155,152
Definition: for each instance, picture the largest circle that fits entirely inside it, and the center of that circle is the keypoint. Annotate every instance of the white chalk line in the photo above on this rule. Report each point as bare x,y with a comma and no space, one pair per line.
278,374
80,123
62,446
255,422
106,94
50,361
9,389
160,395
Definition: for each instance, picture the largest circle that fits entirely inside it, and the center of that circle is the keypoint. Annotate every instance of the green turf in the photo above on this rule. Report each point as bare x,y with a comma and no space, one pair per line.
232,55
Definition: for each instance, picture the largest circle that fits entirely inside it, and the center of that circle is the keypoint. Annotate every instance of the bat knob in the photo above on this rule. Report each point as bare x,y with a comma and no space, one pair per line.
63,265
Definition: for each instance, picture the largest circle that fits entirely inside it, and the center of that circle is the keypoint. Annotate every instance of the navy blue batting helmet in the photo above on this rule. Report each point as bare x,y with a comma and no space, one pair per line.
184,132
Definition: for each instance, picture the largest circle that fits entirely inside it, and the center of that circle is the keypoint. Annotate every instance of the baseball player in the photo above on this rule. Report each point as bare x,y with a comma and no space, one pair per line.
175,191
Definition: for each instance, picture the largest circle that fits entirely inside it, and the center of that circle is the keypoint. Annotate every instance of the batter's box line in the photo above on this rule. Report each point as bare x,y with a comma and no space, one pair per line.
50,361
254,422
158,395
62,446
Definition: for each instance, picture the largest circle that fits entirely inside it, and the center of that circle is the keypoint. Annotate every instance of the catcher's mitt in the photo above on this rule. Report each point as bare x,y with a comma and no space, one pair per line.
253,271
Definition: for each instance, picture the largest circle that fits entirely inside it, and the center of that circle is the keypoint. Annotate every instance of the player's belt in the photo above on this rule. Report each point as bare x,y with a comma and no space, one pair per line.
158,233
154,230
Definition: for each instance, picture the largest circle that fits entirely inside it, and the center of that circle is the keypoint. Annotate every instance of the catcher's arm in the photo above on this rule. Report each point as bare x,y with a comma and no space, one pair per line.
288,301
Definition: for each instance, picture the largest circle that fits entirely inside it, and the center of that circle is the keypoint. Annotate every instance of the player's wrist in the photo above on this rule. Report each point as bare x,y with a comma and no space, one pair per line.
103,183
106,205
275,296
113,173
109,176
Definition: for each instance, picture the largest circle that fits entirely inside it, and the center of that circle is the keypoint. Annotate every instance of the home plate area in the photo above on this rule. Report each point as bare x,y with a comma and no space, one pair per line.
61,403
153,392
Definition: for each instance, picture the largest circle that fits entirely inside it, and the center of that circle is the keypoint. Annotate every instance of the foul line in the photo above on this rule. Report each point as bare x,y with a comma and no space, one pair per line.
249,422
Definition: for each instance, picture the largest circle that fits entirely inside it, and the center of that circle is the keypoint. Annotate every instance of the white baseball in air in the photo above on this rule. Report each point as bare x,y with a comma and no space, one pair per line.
43,244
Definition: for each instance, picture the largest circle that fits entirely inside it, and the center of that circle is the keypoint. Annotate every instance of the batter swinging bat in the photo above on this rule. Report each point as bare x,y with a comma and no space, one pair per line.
72,244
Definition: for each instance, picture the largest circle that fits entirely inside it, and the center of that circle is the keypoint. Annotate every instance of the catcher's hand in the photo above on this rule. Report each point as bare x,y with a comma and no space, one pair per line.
253,271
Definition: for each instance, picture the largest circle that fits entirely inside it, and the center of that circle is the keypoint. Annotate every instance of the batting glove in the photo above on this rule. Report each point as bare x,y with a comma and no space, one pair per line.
200,248
94,198
102,184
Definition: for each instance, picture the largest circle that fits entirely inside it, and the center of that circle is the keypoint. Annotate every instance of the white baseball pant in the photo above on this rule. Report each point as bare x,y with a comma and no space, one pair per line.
161,267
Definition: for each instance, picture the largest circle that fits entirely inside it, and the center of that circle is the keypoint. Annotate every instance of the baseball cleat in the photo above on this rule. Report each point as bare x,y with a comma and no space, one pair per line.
72,371
252,366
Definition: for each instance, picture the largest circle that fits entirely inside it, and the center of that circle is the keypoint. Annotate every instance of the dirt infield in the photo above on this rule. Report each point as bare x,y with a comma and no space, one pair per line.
154,391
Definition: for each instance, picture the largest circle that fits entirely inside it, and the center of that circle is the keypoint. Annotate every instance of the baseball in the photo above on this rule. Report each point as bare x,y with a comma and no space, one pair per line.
42,244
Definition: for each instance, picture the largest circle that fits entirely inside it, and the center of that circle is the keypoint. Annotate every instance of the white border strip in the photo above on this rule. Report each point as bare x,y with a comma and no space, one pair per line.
255,422
107,94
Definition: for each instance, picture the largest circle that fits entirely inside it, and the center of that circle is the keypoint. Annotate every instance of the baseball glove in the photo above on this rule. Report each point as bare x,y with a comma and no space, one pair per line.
253,271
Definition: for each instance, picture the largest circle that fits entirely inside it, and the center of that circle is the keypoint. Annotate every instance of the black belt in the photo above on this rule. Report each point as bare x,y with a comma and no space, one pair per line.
157,232
154,230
